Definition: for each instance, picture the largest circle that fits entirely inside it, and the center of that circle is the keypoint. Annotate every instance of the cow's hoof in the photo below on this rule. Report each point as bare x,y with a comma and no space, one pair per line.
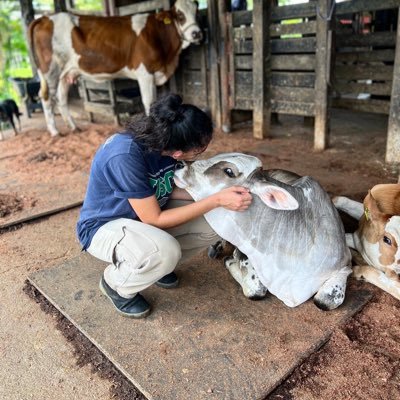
329,300
257,297
76,130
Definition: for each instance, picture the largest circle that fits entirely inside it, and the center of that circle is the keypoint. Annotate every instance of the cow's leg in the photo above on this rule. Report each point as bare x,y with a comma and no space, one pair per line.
47,95
388,282
147,87
62,98
243,272
331,294
351,207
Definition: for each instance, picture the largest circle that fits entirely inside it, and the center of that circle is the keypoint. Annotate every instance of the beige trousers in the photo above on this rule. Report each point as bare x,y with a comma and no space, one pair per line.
141,254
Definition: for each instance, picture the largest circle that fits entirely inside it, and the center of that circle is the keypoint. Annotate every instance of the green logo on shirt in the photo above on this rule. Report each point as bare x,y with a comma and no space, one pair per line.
163,184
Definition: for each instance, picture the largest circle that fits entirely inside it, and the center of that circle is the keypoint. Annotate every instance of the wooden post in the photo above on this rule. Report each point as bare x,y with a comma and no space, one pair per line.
28,15
213,39
60,5
261,69
393,138
321,127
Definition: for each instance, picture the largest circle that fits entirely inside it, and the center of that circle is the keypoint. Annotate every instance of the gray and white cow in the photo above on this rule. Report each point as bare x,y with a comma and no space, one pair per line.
291,234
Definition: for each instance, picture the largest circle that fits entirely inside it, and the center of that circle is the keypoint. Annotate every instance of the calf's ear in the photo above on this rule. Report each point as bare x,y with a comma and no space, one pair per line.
275,197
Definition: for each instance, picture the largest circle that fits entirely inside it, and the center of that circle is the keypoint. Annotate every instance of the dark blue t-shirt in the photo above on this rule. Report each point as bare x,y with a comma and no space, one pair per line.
122,169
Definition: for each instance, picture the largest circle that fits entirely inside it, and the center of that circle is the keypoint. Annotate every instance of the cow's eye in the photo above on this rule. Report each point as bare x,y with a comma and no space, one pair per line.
180,17
229,172
387,240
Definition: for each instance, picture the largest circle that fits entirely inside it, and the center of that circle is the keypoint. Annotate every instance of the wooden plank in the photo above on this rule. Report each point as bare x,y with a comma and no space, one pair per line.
244,77
304,62
301,45
192,75
243,104
293,108
381,89
242,18
142,7
244,92
243,62
369,39
377,72
303,28
321,125
393,139
300,79
372,106
231,64
293,94
261,69
297,79
354,6
365,56
243,46
191,57
303,10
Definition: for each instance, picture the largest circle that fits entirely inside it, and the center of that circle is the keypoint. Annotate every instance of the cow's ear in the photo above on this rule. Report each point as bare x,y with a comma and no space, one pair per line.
275,197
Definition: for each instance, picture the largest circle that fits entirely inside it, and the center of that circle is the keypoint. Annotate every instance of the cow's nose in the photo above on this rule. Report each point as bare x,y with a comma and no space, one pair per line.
197,35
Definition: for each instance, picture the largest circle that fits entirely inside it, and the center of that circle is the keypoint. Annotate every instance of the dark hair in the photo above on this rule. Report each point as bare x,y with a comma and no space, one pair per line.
172,125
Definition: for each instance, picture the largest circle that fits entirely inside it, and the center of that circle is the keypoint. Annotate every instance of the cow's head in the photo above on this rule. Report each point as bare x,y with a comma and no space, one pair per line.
379,229
203,178
185,15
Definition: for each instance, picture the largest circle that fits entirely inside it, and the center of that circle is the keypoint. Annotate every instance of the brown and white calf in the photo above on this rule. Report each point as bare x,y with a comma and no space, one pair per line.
143,47
377,238
290,240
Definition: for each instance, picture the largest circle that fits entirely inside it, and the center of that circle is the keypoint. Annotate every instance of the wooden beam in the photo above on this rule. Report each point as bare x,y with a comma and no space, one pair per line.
60,5
321,127
261,69
28,15
393,139
224,53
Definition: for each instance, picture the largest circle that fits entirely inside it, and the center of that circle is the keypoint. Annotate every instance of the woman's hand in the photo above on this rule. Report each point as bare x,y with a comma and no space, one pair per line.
234,198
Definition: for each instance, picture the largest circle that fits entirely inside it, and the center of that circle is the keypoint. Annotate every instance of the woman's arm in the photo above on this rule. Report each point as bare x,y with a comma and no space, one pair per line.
235,198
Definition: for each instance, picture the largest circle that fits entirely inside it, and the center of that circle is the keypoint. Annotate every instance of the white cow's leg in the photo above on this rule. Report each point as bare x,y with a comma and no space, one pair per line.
62,98
147,87
243,272
351,207
331,294
47,93
388,282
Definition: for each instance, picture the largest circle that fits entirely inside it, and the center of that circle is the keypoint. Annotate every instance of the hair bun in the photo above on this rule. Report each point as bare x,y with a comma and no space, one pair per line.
167,108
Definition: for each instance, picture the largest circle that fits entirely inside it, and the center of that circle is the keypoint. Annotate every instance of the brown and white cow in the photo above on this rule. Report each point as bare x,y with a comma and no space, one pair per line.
377,238
144,47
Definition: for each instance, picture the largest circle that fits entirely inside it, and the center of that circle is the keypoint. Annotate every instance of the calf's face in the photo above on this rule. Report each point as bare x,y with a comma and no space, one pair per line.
379,229
203,178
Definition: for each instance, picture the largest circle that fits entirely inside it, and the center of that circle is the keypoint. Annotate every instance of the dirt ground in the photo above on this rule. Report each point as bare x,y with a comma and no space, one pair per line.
38,361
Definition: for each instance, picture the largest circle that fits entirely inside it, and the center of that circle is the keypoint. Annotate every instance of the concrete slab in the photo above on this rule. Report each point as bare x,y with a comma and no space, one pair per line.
203,340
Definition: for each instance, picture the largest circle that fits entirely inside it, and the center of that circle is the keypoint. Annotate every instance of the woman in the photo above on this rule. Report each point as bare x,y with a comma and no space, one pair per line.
134,218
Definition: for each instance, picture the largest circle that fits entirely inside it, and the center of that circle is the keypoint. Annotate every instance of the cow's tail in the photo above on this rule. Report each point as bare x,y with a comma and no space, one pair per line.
44,89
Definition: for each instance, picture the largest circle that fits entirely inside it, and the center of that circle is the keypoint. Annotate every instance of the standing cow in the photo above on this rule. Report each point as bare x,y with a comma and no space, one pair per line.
144,47
377,239
291,234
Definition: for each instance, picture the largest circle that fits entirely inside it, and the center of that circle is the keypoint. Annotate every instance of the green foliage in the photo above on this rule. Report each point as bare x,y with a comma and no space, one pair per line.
14,59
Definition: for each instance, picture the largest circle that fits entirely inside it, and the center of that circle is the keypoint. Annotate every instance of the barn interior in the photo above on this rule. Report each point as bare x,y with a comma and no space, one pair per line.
330,68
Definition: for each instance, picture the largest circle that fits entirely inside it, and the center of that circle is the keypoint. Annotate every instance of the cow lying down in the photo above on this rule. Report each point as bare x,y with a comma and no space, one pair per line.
290,241
377,238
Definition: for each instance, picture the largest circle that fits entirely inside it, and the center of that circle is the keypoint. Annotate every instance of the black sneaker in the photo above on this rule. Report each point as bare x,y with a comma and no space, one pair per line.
136,307
168,281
